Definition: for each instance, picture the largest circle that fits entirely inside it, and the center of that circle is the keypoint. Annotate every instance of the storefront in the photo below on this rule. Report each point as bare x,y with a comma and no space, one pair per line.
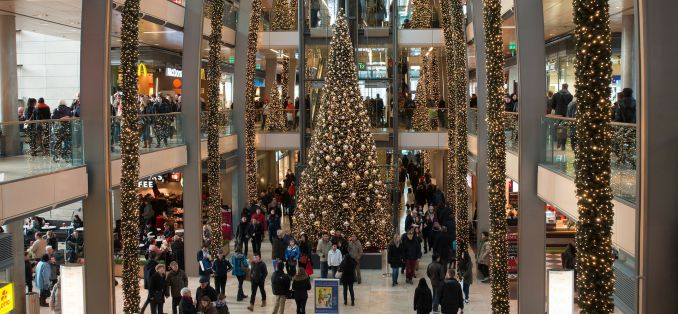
166,193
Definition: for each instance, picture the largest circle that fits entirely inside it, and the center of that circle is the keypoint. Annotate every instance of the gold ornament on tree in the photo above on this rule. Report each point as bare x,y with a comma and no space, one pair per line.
275,118
250,108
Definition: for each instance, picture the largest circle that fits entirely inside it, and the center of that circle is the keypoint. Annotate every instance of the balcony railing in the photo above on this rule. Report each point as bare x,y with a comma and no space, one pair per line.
266,120
155,132
472,121
436,117
561,140
511,131
29,148
225,122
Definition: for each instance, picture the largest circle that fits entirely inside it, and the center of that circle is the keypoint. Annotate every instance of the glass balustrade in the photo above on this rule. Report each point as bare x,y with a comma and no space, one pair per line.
511,131
277,120
561,140
155,132
435,117
224,121
472,121
30,148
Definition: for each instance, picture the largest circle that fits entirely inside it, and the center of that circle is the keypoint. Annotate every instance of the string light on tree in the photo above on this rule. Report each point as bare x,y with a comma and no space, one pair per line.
275,118
420,117
250,108
496,153
341,186
422,14
129,155
593,72
213,156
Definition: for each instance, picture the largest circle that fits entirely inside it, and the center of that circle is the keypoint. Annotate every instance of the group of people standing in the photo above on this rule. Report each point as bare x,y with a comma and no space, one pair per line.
45,138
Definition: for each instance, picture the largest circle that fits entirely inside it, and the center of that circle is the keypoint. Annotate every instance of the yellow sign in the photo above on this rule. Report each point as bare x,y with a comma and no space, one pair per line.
141,69
6,298
202,74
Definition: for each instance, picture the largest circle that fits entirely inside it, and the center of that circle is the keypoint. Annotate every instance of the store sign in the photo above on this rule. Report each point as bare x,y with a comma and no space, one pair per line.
141,70
326,296
362,66
72,288
231,60
148,183
561,291
6,298
173,72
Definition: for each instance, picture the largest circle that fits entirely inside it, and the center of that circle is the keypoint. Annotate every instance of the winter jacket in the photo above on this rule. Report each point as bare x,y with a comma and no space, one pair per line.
436,273
158,285
61,112
37,249
221,267
256,231
209,309
323,249
280,283
243,232
178,252
560,101
186,306
273,225
484,253
347,267
43,273
207,292
411,248
334,258
278,249
176,280
205,267
443,246
261,218
423,300
394,256
292,253
149,271
258,272
301,285
355,249
239,263
626,112
466,270
42,112
451,297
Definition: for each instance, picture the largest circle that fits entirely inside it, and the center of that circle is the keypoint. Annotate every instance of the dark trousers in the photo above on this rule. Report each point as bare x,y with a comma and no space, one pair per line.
29,284
484,270
466,288
301,305
241,294
245,246
44,294
156,308
349,287
146,303
323,269
220,284
410,265
334,270
175,304
256,285
256,246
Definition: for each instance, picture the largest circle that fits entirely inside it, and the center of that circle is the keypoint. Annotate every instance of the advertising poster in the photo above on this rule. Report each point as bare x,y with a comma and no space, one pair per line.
561,291
6,297
326,297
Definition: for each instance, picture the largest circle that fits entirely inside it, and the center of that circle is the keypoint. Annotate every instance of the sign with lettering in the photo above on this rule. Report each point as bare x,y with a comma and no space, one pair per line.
6,298
173,72
148,183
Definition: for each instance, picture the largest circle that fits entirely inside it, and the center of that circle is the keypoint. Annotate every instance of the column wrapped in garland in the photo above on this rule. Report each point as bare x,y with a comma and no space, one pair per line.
593,70
129,155
285,79
433,77
213,159
449,75
283,19
250,108
496,156
275,118
422,14
460,82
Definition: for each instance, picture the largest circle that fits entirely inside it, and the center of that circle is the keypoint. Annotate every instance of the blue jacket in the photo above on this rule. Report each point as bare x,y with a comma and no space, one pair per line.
43,272
205,267
239,263
292,253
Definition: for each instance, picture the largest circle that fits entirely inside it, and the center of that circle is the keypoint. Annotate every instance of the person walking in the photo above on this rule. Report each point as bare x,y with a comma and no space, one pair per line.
176,280
334,258
242,234
256,234
466,272
301,283
280,284
186,305
436,273
348,269
258,277
43,272
323,249
240,268
149,271
395,259
221,267
422,298
157,290
411,253
483,257
292,255
205,290
451,298
355,249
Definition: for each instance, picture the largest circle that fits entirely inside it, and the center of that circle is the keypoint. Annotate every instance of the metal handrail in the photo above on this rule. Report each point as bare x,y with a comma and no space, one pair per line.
38,121
621,124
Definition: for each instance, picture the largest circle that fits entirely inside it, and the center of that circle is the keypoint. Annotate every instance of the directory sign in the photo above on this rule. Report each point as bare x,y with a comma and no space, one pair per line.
561,291
326,297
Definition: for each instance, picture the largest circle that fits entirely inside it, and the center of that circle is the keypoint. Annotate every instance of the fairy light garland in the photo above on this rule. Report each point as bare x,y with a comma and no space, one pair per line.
420,117
129,154
213,157
434,77
284,80
341,187
593,72
451,117
250,108
422,14
496,153
275,119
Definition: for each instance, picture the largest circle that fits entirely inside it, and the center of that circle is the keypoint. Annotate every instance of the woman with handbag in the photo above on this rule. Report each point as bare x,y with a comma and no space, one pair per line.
301,283
158,289
347,277
240,269
292,257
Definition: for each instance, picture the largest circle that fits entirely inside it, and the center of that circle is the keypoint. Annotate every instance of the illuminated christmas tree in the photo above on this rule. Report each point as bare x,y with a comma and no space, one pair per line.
340,187
275,118
420,117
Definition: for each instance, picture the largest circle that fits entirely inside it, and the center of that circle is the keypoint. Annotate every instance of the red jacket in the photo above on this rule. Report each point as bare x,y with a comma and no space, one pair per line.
261,218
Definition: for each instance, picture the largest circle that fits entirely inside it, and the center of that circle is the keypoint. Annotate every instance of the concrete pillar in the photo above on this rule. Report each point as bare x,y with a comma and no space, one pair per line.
94,82
240,84
193,21
627,51
658,169
18,275
117,209
531,228
483,197
271,66
9,143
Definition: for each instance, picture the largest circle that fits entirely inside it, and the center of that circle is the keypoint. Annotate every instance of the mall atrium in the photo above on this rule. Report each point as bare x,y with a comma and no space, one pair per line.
338,156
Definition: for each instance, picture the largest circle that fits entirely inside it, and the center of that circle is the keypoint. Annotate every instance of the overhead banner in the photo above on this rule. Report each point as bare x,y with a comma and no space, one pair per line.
326,296
561,291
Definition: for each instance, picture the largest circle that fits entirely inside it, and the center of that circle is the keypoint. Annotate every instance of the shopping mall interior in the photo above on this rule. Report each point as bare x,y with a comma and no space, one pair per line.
405,132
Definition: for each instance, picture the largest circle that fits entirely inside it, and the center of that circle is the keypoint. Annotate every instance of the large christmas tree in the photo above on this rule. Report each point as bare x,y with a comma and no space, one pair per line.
275,118
340,187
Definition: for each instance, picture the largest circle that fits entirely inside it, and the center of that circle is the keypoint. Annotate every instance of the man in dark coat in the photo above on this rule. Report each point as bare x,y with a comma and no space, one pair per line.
443,247
149,271
436,273
256,234
280,284
451,297
178,251
411,253
561,99
242,234
205,290
347,267
258,276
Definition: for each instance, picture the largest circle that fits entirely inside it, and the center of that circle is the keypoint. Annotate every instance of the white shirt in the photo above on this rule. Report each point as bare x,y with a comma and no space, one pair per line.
334,258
